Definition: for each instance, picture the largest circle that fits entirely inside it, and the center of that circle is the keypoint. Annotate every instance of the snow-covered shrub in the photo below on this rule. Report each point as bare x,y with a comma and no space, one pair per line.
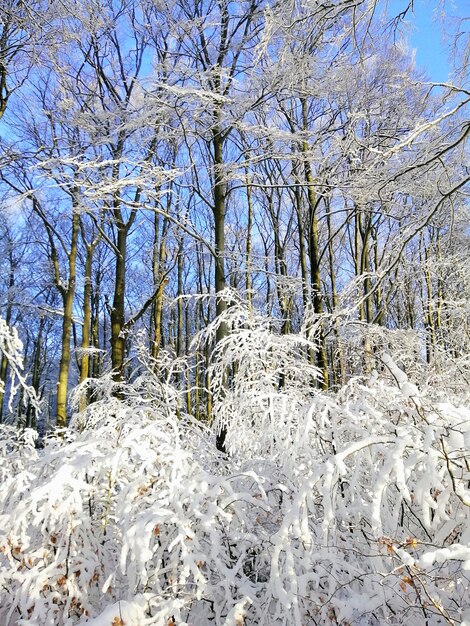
347,508
12,348
262,381
127,509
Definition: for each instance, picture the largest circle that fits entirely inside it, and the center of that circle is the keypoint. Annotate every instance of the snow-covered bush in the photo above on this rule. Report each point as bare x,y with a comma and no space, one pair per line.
347,508
11,347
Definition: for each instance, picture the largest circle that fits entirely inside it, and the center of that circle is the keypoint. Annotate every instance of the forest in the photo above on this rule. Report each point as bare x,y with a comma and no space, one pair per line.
234,315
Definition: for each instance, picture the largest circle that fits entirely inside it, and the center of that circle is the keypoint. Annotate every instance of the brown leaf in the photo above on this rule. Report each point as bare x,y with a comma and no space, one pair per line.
117,621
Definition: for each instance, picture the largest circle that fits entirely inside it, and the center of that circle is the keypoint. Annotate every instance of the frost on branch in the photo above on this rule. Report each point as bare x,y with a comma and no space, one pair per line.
339,509
12,347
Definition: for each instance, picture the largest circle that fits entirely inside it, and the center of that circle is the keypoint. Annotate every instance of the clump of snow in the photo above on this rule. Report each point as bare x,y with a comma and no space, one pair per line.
120,614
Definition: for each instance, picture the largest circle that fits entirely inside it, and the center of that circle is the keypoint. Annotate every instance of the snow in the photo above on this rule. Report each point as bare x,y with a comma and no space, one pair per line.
120,614
326,508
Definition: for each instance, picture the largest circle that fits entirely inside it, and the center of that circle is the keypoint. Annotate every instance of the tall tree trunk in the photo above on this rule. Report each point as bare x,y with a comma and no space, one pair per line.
96,361
429,315
219,237
118,340
337,361
248,247
179,331
314,254
187,324
301,235
87,330
219,226
68,295
361,250
159,259
284,300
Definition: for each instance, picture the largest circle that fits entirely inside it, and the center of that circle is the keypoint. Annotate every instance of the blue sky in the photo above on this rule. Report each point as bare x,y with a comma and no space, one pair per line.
425,33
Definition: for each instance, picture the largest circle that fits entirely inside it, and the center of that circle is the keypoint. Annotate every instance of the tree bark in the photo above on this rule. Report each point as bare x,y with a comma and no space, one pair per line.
68,295
314,254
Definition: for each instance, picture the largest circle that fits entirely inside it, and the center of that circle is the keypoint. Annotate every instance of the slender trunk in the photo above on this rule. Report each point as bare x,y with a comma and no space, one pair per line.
409,304
68,295
248,248
361,262
187,325
219,228
219,239
268,280
280,265
208,388
429,318
3,379
158,315
365,271
85,356
440,289
314,253
118,340
301,233
338,365
379,302
159,259
95,326
179,331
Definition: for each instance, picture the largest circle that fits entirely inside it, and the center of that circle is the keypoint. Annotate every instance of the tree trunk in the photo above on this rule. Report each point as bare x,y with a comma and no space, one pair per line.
249,226
68,295
118,340
219,236
219,228
337,360
314,254
85,356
